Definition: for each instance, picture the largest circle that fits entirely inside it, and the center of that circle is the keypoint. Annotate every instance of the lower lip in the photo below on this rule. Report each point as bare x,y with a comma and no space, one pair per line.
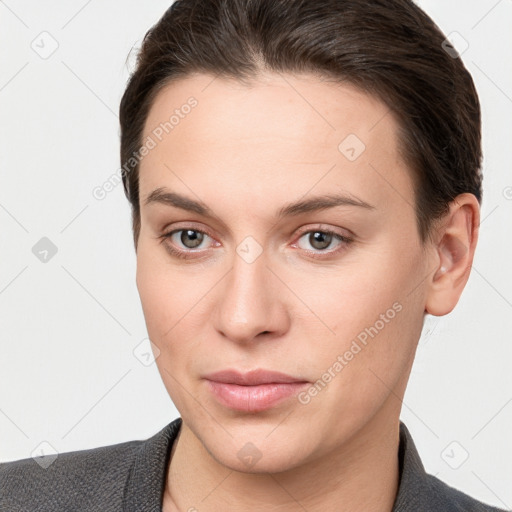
253,398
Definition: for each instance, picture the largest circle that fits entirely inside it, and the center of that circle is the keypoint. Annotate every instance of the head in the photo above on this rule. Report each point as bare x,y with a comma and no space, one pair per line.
305,184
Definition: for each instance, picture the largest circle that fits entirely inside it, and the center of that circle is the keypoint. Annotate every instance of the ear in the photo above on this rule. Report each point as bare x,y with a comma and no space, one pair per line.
453,251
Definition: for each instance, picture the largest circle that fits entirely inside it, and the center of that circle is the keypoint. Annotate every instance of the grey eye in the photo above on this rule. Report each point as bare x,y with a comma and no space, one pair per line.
319,240
191,238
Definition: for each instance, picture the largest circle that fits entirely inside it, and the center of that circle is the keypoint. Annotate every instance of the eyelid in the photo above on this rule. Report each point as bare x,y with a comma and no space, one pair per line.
183,254
344,239
326,229
191,226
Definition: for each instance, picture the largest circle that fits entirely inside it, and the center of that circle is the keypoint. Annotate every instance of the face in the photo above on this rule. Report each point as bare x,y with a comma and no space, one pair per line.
282,238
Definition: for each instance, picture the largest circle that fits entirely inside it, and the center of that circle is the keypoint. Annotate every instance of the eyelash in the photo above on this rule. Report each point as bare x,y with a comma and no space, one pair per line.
186,255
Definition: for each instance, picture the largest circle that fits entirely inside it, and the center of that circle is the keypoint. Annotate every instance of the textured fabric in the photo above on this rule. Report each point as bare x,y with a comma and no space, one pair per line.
421,492
130,477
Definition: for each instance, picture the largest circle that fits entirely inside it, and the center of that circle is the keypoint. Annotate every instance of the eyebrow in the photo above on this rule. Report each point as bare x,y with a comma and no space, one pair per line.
316,203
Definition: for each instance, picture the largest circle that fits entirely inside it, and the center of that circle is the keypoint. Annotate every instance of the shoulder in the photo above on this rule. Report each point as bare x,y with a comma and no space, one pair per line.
85,480
454,500
419,490
68,478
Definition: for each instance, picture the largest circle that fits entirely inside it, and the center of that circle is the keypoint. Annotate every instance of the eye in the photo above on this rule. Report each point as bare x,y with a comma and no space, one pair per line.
183,243
322,239
187,243
190,238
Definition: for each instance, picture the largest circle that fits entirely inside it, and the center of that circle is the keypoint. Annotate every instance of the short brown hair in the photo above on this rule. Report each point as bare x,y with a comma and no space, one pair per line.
390,49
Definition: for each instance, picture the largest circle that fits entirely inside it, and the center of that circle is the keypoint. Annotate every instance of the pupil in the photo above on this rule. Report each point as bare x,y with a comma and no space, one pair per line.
193,235
323,238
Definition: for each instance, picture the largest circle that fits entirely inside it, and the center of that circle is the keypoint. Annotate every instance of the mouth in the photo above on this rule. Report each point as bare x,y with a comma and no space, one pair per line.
253,391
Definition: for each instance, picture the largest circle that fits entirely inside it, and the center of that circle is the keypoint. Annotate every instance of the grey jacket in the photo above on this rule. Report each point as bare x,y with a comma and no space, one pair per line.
130,477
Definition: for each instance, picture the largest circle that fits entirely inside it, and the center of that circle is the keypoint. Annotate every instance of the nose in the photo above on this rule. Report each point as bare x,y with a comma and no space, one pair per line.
250,305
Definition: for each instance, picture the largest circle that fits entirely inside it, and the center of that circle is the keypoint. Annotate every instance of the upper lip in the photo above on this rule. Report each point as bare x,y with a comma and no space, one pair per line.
251,378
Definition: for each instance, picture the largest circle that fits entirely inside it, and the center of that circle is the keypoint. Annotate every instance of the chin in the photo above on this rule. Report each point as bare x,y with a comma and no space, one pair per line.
276,462
255,453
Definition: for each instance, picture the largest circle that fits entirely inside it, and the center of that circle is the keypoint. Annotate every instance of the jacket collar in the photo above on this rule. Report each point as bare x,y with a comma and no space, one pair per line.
413,488
146,482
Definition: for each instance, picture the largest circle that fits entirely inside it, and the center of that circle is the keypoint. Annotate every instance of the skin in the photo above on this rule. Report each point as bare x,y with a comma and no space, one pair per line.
245,151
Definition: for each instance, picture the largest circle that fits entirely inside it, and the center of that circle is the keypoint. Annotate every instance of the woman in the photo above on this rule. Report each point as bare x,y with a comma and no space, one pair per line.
305,186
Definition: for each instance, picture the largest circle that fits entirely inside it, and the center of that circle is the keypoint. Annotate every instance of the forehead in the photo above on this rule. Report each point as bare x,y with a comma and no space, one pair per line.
280,134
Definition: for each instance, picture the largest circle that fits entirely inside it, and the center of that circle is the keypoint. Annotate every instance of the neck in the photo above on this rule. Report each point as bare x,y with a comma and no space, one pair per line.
362,474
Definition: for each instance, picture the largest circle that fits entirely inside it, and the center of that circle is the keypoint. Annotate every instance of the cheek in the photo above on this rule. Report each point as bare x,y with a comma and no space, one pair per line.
157,302
352,297
165,312
374,364
363,365
161,293
374,320
172,304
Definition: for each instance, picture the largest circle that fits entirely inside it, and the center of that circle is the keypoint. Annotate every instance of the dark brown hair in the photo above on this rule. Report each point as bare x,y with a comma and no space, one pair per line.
388,48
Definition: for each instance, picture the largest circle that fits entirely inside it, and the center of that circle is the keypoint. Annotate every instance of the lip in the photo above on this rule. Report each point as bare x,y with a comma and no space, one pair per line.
253,391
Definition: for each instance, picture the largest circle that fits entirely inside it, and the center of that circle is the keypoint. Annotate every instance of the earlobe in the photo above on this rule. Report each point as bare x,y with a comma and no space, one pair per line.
454,254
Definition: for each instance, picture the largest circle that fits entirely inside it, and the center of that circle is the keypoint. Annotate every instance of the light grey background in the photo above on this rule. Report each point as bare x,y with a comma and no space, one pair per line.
69,377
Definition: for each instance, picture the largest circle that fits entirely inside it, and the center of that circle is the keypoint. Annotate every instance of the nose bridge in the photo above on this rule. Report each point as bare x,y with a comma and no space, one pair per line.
248,305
